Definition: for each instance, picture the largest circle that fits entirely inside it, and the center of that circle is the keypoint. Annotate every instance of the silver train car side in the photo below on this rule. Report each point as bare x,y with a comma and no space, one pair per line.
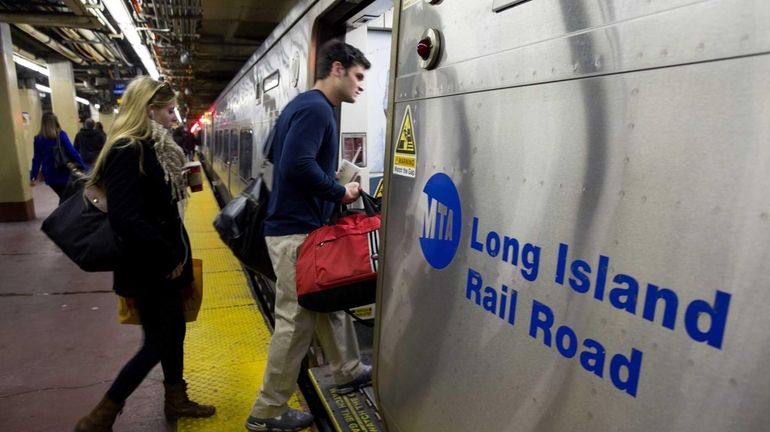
576,226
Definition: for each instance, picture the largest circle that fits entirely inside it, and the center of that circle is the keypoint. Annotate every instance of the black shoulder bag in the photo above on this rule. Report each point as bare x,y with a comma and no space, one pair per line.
79,226
240,223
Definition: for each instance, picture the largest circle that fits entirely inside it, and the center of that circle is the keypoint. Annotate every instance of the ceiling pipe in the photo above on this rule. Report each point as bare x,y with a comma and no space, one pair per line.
47,40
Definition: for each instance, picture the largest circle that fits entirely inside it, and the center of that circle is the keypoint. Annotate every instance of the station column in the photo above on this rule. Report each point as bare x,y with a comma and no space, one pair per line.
31,112
15,194
63,102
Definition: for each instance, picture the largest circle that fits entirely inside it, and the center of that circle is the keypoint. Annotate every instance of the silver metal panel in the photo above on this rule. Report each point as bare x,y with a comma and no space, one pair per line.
543,41
667,173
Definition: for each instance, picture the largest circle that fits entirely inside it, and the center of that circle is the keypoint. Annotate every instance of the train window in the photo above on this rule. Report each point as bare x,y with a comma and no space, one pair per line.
244,169
500,5
232,156
218,145
354,148
223,146
271,81
258,89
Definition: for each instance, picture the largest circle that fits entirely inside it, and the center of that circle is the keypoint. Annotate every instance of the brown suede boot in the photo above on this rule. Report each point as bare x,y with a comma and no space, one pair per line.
178,404
101,418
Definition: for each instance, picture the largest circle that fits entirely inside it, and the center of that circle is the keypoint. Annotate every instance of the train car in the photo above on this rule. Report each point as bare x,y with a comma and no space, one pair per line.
576,223
237,125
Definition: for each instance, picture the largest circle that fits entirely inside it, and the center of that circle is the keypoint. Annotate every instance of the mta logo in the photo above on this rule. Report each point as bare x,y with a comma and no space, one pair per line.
441,220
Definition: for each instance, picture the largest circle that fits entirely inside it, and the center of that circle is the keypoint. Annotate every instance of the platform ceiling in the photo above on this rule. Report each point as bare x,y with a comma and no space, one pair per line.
217,36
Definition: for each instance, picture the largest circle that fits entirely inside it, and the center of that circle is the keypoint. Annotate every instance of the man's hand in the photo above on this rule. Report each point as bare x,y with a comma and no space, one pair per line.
352,192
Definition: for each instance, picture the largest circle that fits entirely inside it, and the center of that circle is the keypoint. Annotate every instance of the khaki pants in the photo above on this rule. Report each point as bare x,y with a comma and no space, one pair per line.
294,327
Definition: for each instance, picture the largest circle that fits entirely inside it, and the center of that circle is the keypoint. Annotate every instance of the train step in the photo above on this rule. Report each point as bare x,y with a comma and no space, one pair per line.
351,412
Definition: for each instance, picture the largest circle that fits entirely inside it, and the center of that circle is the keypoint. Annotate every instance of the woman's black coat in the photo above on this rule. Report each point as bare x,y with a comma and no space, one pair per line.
145,217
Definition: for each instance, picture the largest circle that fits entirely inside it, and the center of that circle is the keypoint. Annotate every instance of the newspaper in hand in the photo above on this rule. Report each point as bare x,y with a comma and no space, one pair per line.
348,172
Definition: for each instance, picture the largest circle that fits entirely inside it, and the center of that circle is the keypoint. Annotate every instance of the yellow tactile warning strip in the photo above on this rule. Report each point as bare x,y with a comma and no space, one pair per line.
226,348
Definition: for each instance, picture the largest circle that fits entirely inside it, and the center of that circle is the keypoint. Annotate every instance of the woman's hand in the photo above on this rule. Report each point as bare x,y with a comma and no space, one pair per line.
176,272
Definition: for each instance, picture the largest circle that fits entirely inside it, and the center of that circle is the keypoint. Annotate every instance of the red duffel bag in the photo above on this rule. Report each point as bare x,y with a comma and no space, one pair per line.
337,264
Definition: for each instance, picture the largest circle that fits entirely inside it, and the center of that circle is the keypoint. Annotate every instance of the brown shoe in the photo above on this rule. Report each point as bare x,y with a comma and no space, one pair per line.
178,404
101,418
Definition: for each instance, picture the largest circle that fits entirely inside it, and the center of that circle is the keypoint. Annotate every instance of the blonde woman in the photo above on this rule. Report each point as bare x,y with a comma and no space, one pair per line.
140,169
47,139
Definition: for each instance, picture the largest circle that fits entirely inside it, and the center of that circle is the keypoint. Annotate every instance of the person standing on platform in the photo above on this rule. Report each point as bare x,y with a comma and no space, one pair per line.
304,196
89,142
141,171
100,127
49,140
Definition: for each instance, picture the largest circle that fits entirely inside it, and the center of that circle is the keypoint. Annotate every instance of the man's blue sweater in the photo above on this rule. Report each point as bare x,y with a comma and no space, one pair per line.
305,148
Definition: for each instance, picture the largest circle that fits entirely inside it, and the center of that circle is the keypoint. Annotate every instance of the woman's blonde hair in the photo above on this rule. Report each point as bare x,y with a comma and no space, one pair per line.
49,125
132,124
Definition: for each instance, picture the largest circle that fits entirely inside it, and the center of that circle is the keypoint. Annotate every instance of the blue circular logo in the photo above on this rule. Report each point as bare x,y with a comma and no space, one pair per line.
441,214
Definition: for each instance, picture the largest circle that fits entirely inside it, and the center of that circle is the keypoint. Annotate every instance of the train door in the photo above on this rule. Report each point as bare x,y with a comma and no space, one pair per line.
361,126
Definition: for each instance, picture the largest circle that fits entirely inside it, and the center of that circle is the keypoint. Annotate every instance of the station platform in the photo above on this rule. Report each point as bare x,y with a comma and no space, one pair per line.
61,344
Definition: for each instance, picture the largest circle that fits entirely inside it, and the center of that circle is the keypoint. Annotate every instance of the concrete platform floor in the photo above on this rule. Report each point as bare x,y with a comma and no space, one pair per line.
60,342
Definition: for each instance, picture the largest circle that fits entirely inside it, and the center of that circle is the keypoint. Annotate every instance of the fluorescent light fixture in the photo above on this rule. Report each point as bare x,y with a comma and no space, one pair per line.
29,64
178,117
44,89
119,12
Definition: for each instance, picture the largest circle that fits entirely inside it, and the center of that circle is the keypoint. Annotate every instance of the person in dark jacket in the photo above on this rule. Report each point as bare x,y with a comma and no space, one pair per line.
140,169
100,127
46,142
89,142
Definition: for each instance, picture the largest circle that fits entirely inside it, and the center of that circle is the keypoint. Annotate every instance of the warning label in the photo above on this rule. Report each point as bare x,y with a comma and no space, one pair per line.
380,189
405,158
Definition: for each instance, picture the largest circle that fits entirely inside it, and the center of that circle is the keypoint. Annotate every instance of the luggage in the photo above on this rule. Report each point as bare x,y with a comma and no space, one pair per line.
240,223
79,226
337,264
240,226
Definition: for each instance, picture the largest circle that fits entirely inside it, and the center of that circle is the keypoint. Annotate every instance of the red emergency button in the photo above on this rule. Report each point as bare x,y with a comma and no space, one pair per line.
424,47
429,48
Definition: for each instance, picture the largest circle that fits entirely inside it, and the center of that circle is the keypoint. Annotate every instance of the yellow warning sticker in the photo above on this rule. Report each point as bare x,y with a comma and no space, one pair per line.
380,188
405,158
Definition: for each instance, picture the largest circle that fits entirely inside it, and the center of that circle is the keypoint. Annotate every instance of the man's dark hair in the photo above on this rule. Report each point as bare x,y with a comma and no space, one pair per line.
336,50
89,123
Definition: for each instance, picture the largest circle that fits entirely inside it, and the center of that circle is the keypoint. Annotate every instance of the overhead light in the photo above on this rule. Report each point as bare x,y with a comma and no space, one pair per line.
29,64
44,89
178,117
119,12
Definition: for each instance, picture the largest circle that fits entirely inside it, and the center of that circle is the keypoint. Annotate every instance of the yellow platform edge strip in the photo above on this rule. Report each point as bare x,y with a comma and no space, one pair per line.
226,348
325,402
